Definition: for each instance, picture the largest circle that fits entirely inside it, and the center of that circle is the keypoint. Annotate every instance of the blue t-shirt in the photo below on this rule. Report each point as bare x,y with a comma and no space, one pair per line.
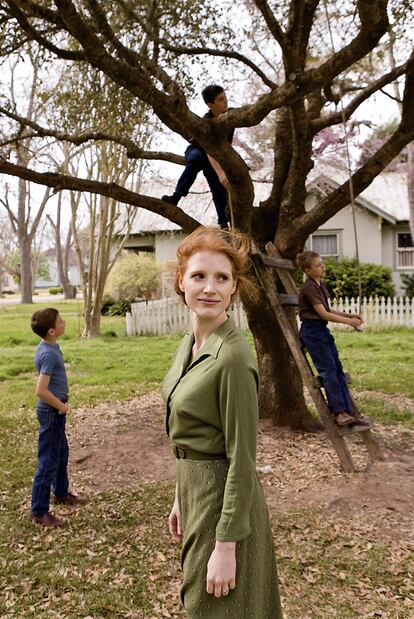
49,360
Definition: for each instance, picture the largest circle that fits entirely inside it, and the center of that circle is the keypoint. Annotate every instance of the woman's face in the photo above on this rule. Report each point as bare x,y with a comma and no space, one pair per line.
208,284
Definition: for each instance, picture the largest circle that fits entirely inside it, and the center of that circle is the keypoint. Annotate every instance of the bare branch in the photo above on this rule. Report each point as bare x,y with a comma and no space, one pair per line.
272,23
336,118
34,35
62,181
221,53
361,179
132,149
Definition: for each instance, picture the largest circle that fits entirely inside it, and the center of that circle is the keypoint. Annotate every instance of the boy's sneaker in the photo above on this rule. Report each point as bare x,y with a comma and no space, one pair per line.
48,520
174,199
343,419
70,499
359,419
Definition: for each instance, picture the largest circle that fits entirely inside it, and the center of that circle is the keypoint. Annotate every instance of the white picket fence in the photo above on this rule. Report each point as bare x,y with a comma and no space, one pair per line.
170,315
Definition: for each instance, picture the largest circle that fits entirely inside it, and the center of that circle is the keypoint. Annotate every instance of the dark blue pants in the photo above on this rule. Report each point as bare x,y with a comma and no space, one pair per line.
321,346
196,161
53,456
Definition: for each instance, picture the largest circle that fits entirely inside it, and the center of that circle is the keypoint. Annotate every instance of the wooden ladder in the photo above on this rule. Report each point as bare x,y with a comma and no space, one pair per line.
289,297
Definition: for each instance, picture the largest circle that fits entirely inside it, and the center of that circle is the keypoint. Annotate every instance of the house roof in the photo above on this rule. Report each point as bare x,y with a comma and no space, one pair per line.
197,204
387,197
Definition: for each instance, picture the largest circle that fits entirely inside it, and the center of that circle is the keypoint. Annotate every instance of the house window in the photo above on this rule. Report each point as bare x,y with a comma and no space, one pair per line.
405,251
326,245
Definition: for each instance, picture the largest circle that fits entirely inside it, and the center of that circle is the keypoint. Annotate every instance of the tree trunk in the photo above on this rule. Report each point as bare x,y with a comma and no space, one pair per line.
281,395
26,271
91,325
410,184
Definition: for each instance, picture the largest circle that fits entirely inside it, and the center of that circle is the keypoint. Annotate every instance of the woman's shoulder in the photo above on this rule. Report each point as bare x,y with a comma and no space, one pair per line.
236,346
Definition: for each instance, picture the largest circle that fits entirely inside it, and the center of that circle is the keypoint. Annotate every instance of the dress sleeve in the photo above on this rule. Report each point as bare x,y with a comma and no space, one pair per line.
239,417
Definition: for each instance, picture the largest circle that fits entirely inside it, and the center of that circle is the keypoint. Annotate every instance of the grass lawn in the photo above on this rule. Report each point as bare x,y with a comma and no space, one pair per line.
115,560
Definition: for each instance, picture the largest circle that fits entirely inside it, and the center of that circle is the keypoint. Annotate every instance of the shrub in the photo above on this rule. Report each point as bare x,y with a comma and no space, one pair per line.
342,279
57,290
408,284
117,308
133,276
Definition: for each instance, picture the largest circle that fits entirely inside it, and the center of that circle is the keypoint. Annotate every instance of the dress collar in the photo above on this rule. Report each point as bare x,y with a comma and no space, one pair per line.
214,341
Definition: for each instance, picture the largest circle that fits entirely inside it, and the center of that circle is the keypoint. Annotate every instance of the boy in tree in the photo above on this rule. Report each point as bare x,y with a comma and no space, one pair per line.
52,391
197,160
315,312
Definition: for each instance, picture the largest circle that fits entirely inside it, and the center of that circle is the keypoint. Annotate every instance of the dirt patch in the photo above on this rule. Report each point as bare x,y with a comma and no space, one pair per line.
120,444
124,444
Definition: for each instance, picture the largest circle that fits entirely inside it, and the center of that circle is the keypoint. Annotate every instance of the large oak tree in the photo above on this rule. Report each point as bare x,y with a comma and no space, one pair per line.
146,48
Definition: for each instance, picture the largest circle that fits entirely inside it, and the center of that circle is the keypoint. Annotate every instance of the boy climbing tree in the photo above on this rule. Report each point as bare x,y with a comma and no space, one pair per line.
197,160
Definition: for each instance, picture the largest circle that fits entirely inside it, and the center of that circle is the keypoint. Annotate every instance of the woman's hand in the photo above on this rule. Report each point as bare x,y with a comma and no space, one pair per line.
221,569
174,522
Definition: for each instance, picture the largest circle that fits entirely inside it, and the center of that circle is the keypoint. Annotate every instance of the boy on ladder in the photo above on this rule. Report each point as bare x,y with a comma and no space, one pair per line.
315,312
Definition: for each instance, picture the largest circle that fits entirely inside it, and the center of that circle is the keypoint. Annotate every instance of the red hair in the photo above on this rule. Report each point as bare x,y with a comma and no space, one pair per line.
232,243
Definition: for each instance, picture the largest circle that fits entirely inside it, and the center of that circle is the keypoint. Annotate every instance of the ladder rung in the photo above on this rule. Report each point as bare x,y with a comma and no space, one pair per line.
279,263
354,429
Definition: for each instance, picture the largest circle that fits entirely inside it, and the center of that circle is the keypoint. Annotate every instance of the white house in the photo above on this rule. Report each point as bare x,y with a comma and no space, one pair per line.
381,216
54,281
7,284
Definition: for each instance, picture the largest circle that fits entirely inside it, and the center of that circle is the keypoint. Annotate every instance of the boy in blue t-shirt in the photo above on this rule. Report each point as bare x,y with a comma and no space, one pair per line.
52,391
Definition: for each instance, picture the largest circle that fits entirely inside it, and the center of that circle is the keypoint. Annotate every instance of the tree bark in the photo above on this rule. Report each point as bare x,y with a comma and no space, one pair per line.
281,395
61,254
26,279
410,184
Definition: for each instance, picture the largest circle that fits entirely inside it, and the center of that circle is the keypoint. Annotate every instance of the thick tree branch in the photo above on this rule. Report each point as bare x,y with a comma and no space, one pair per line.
336,118
361,179
301,17
272,23
133,58
111,190
374,24
132,149
173,110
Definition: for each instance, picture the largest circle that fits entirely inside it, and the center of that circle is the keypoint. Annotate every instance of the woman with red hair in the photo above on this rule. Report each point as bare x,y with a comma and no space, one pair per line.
219,513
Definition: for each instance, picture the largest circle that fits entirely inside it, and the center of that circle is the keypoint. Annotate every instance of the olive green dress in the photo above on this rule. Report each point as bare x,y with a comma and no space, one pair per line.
212,409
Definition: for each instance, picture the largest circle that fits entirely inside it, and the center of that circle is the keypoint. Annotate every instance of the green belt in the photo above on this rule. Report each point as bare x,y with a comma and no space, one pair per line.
183,453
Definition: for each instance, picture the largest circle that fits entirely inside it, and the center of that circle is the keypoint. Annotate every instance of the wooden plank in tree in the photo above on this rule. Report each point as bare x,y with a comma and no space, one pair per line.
289,299
279,263
285,277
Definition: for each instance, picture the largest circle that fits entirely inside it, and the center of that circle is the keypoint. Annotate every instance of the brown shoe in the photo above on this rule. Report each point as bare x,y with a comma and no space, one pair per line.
48,520
70,499
360,420
343,419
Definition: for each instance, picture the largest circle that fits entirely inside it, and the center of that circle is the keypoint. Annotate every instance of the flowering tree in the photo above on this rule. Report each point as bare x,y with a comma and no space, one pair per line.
148,53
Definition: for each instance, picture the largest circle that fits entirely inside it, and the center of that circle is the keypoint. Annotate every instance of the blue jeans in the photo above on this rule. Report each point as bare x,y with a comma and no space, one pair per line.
322,349
196,160
53,456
